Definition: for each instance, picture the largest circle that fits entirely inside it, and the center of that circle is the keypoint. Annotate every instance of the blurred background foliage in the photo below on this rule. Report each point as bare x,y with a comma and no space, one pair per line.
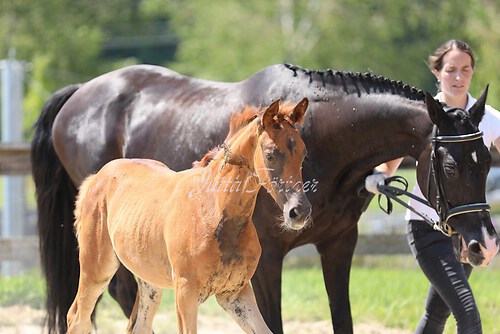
68,41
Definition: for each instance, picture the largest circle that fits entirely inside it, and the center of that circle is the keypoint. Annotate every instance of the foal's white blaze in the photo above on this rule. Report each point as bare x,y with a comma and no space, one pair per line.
474,156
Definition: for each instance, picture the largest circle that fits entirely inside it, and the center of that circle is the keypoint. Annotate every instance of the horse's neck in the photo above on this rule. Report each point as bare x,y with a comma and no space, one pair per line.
359,133
291,82
354,121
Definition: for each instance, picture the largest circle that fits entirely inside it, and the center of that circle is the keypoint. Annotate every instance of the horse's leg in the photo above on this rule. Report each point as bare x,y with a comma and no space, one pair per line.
336,258
243,308
147,303
95,275
266,281
186,305
123,288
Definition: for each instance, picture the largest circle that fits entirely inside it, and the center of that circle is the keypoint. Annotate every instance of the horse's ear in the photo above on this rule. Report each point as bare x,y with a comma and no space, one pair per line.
476,112
434,108
300,110
269,116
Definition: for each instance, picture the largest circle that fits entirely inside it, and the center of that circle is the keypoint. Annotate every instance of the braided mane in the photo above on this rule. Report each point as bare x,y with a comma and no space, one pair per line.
356,82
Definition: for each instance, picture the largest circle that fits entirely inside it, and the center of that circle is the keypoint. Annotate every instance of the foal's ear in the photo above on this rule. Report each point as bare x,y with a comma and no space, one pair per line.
434,108
476,112
300,110
269,116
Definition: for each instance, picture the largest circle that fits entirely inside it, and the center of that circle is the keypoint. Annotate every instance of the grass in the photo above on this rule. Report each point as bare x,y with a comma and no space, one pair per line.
390,291
393,295
24,289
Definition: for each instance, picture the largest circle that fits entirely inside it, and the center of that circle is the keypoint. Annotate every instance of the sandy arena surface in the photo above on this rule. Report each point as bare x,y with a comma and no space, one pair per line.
26,320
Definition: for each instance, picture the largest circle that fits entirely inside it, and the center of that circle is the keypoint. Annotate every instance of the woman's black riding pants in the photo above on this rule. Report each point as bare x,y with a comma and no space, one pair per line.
449,290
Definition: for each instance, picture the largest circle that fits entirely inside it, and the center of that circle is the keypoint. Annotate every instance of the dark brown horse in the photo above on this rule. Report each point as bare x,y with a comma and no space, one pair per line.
354,122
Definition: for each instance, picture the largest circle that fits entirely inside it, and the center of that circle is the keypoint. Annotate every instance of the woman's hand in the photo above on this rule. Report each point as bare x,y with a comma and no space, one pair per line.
372,181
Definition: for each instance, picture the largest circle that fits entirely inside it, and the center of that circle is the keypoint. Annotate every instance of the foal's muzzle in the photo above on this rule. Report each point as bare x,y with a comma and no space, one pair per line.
297,211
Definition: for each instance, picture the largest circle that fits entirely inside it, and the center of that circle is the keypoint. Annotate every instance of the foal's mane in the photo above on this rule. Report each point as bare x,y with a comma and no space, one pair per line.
237,122
358,83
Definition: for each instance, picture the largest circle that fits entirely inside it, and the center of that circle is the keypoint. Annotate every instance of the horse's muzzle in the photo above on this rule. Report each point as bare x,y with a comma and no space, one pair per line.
476,253
297,212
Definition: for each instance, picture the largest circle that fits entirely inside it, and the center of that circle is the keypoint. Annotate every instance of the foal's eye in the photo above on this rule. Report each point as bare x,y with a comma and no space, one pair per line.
269,156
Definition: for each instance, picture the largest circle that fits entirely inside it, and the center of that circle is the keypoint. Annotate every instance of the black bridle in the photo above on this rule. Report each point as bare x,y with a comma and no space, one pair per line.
441,204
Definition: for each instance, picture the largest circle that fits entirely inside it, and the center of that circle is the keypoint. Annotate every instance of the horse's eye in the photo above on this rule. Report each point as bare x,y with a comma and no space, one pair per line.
449,170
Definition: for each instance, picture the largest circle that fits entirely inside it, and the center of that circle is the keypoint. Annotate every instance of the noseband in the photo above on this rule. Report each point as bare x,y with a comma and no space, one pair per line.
442,208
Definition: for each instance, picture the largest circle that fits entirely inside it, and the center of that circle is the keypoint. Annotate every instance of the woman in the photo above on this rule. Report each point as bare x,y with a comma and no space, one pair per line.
453,64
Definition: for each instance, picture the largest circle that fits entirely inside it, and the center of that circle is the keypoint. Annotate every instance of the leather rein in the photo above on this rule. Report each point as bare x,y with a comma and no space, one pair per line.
442,207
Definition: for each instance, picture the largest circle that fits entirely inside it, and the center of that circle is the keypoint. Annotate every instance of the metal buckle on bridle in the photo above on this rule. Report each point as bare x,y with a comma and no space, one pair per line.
441,206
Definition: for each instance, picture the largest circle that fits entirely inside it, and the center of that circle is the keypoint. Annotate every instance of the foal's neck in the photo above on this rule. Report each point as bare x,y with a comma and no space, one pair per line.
234,173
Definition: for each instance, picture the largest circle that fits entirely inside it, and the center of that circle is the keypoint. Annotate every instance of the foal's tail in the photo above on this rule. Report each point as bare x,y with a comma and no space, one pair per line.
82,193
55,196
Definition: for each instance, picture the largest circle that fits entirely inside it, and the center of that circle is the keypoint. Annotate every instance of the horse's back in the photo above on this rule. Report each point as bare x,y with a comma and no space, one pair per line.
127,112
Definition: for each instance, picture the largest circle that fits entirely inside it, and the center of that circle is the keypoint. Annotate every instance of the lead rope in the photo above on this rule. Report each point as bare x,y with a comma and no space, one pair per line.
393,193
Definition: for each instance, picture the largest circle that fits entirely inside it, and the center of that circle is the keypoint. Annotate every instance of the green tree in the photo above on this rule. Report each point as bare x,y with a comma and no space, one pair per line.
230,40
60,40
483,31
63,40
392,38
225,40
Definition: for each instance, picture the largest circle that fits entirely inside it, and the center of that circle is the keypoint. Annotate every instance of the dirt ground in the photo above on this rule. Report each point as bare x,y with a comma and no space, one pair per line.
25,320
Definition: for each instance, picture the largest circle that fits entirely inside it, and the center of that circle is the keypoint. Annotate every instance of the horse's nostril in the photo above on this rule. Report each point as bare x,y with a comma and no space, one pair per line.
474,248
293,213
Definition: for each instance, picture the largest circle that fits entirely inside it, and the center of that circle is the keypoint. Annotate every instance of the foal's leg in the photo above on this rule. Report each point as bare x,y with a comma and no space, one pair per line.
146,304
97,267
244,310
186,306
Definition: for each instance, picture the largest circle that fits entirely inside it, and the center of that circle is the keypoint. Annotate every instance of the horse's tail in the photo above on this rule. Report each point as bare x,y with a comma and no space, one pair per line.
55,196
